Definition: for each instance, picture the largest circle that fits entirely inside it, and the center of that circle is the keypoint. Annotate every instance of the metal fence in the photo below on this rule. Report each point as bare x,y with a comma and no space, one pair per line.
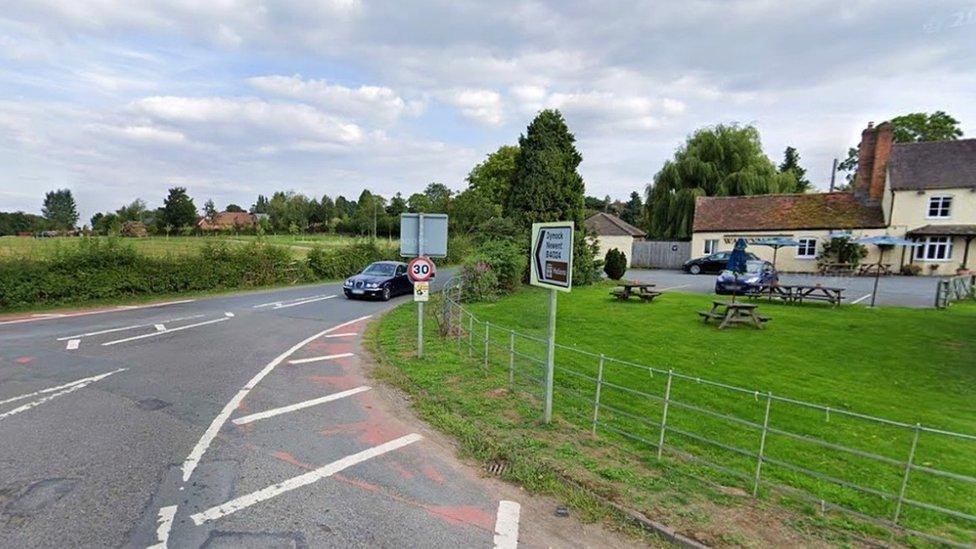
656,254
904,479
954,288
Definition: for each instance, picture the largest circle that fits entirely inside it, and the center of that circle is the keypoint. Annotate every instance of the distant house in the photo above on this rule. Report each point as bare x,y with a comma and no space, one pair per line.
613,232
921,191
228,221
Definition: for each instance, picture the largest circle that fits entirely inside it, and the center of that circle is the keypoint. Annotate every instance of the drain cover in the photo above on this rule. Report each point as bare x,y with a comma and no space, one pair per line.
151,404
497,467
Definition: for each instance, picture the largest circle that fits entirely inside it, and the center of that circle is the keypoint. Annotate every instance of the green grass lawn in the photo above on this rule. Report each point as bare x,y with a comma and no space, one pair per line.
12,247
906,365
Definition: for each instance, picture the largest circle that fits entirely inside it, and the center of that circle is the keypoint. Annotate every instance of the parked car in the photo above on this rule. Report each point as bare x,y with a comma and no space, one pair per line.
713,263
383,279
759,274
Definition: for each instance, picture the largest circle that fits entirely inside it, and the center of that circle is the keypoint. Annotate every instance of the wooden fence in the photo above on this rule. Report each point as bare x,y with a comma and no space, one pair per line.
659,254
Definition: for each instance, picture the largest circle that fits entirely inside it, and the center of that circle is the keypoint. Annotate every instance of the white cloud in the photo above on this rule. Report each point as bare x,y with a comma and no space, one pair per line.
378,103
484,106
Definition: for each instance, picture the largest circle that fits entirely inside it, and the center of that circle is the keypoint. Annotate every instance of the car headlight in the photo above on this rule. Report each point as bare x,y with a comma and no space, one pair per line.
371,285
347,283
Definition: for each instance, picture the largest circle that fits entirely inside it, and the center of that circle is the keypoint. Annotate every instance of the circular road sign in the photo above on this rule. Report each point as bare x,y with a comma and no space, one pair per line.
420,269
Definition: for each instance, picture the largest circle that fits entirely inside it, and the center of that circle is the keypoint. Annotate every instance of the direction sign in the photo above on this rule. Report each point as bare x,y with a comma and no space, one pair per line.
420,269
552,255
423,234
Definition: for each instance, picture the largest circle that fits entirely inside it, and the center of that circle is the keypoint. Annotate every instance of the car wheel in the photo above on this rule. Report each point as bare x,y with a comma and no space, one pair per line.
386,293
694,269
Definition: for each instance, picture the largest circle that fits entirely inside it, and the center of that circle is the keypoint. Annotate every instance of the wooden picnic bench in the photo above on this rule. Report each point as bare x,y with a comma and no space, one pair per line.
866,269
733,312
644,291
838,269
797,293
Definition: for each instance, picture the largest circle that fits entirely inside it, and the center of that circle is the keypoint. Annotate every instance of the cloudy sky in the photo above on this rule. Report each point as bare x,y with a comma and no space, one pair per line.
231,98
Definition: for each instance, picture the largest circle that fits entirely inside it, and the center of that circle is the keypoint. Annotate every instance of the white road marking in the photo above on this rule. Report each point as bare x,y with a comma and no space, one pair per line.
248,500
860,299
160,327
346,334
166,515
280,301
115,310
507,525
73,344
171,330
672,287
67,389
303,302
229,315
57,388
100,332
299,406
318,358
193,459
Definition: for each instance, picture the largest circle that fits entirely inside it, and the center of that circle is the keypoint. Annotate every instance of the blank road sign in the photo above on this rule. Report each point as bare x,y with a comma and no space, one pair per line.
434,234
552,255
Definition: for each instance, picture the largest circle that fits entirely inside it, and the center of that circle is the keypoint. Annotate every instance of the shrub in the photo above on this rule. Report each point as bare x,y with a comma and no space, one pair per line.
615,264
478,282
841,250
586,266
497,267
338,263
911,269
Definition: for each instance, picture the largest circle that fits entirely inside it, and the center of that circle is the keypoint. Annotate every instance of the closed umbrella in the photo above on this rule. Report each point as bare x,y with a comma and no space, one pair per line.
776,243
883,243
737,262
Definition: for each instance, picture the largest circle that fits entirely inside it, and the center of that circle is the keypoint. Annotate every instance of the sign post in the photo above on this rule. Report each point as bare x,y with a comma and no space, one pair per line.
552,268
422,235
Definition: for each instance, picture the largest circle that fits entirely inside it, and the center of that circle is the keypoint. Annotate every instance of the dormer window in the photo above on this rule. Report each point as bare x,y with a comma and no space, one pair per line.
939,207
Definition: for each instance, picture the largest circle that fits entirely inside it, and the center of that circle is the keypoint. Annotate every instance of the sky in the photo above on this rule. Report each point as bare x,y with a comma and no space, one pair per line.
235,98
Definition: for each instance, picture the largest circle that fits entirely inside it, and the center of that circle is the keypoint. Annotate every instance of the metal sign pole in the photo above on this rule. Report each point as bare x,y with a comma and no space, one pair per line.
550,355
420,304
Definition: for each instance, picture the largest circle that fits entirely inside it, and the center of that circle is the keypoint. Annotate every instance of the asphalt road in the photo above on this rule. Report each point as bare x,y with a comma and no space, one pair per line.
900,291
237,421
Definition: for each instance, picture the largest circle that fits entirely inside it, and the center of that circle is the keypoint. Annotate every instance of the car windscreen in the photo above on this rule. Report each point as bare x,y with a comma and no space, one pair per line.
380,269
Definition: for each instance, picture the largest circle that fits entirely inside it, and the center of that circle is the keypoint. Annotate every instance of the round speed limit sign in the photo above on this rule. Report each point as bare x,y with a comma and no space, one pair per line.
420,269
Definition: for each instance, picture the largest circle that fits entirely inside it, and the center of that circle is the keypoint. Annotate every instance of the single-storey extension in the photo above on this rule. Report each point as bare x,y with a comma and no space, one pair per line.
612,232
920,191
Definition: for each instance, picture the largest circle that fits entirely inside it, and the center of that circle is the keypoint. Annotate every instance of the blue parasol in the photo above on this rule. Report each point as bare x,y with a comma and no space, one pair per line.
737,262
776,243
883,242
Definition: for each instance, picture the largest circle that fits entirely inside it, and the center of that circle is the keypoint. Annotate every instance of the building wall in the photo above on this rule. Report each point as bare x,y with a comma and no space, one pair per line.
607,243
909,210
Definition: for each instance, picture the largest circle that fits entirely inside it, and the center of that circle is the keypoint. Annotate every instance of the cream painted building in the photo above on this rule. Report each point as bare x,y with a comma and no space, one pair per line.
921,191
612,232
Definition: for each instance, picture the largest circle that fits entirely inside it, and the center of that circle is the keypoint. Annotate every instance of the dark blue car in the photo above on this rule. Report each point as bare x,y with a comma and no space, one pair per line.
759,274
383,279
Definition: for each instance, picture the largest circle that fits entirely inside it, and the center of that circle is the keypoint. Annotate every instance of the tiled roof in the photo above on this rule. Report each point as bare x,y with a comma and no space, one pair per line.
944,230
610,225
933,165
785,211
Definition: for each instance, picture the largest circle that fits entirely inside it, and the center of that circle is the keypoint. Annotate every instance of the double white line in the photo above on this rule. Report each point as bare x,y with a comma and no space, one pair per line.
294,302
52,393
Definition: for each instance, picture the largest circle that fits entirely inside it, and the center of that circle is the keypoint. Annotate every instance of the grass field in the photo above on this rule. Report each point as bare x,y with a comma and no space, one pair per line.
906,365
12,247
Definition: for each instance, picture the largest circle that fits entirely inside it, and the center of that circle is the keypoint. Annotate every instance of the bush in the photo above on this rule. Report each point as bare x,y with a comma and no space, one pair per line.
338,263
911,269
841,250
497,267
615,264
586,267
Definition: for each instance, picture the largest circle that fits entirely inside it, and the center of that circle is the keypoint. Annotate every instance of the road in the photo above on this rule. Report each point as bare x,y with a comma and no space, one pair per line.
900,291
238,421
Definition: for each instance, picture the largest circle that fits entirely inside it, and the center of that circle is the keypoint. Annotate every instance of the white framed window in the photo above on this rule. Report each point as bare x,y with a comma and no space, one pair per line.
711,245
940,207
934,248
807,249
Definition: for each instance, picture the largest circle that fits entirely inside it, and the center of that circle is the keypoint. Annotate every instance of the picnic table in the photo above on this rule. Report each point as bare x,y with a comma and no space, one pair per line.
643,290
797,293
733,312
838,268
884,269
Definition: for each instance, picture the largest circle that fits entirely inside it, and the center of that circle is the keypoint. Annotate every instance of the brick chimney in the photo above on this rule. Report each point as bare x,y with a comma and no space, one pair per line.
873,154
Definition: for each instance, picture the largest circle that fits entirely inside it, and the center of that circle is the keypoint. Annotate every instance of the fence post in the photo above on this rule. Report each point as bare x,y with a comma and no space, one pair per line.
908,469
664,414
470,335
487,335
596,401
511,359
762,445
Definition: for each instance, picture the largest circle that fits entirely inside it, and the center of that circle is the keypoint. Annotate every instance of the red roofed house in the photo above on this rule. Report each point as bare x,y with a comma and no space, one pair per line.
922,191
228,221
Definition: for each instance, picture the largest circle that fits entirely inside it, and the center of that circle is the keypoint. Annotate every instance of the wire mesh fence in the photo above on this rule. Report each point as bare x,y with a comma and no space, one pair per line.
903,479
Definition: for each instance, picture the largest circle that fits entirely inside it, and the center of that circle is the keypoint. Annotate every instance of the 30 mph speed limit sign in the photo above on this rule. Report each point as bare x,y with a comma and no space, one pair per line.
420,269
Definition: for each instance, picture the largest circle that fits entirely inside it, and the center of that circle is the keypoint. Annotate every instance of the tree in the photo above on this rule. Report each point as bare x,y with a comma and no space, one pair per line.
909,128
397,206
233,208
419,203
791,164
593,205
134,211
261,206
60,209
178,209
725,160
545,183
632,210
439,197
493,177
12,223
615,264
209,210
471,209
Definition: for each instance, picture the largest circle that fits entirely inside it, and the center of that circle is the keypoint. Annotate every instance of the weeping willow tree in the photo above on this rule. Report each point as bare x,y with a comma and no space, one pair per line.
718,161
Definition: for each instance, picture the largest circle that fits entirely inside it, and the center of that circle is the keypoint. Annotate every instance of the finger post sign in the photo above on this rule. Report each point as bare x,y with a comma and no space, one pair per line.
552,255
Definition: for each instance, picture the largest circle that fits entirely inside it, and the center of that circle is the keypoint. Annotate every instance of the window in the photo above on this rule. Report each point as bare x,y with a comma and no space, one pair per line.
934,248
807,249
939,206
710,246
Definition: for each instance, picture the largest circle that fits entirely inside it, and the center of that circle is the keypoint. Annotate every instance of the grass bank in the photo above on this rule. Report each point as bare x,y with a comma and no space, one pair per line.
906,365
